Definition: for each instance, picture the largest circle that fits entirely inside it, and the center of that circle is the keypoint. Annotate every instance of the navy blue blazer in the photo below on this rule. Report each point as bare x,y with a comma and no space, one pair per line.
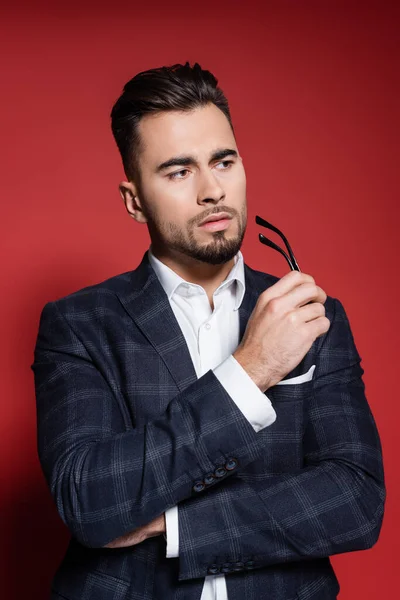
126,430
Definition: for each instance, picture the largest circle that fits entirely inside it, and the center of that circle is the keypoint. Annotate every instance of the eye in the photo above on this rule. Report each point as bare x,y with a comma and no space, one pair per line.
173,175
226,162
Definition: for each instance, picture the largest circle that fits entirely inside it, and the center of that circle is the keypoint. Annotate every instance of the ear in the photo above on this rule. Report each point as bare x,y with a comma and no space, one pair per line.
127,190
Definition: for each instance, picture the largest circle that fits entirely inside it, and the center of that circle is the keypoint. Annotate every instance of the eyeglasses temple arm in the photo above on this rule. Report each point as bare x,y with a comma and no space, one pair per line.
268,242
293,265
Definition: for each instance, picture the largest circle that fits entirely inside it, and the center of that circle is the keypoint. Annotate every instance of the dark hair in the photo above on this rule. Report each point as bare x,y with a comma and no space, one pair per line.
175,87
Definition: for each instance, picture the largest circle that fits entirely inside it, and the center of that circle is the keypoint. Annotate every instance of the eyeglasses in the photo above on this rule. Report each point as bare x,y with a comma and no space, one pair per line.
264,240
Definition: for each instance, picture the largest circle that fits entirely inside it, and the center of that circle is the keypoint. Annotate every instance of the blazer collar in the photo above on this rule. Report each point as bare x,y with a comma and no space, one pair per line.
147,303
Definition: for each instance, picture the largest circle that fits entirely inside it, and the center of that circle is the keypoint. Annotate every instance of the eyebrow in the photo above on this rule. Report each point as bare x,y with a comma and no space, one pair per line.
184,160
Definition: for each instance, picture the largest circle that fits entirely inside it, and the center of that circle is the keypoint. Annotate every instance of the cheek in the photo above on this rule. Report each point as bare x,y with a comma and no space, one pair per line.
242,179
175,194
236,191
235,182
171,209
241,187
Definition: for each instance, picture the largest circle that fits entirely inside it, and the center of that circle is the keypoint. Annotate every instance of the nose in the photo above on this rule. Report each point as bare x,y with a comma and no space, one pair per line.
210,189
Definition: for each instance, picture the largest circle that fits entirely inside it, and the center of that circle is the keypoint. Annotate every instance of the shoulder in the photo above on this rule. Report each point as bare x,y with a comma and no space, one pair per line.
91,297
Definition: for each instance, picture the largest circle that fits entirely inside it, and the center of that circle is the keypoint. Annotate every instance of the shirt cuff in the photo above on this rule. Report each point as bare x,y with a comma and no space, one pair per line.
172,532
248,397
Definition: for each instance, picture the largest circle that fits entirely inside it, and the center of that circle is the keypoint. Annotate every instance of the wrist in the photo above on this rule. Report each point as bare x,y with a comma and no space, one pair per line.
260,379
156,527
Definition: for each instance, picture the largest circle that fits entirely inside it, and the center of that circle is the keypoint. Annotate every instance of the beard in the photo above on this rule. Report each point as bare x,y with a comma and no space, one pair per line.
218,250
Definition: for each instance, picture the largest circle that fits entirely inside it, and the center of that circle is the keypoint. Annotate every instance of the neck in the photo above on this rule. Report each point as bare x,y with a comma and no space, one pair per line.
195,271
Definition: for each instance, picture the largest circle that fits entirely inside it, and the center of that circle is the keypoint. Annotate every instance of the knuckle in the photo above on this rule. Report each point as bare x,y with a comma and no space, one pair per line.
296,275
326,323
315,289
273,305
307,277
310,288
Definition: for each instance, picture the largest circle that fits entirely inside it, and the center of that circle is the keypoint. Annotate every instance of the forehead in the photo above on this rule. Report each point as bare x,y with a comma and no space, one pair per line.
196,131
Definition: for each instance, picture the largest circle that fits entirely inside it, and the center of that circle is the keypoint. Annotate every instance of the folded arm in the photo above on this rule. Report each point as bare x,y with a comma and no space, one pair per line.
106,479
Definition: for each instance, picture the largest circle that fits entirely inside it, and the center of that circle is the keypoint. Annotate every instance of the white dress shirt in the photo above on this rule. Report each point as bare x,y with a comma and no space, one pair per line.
212,336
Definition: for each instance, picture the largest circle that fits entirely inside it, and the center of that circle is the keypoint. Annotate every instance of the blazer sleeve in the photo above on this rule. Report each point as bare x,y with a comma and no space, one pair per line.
108,478
334,504
255,406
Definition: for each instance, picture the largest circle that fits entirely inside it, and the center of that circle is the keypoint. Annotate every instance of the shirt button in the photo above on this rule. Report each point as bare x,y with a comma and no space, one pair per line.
207,326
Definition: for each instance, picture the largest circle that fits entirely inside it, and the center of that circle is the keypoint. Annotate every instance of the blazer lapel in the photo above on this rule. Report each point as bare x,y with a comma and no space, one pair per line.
148,305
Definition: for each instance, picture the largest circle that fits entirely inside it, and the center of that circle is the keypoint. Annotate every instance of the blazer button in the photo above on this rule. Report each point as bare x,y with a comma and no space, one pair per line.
220,472
209,478
226,568
198,486
213,569
231,464
238,566
250,564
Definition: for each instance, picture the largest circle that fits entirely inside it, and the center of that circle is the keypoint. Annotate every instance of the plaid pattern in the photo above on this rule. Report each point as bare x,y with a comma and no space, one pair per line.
125,430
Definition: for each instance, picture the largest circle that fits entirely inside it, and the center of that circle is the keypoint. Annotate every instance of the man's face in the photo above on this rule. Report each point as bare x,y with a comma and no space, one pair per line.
174,199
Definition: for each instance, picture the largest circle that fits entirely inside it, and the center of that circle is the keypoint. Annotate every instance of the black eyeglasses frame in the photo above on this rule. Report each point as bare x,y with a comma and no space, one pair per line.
293,264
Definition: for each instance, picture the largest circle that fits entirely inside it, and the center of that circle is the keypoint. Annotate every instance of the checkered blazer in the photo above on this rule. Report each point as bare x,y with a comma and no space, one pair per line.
126,430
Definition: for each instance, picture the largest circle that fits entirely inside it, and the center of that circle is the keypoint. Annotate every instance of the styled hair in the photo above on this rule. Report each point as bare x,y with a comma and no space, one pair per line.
175,87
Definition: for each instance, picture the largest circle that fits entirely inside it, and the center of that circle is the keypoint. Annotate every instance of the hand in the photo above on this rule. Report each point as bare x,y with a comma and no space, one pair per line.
286,320
152,529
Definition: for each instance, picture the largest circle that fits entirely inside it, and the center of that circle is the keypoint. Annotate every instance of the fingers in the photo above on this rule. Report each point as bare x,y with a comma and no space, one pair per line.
313,316
304,293
309,312
288,282
294,289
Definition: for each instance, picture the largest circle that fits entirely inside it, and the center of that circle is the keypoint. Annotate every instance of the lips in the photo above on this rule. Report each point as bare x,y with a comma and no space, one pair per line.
218,217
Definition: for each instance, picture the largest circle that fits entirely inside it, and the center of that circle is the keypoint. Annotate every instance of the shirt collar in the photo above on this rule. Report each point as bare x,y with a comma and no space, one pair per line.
172,282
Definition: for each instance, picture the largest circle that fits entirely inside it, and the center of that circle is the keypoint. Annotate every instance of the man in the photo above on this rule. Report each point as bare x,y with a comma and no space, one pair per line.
202,426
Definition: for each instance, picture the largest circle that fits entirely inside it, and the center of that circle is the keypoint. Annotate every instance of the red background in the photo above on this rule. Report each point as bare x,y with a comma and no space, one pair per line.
314,97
